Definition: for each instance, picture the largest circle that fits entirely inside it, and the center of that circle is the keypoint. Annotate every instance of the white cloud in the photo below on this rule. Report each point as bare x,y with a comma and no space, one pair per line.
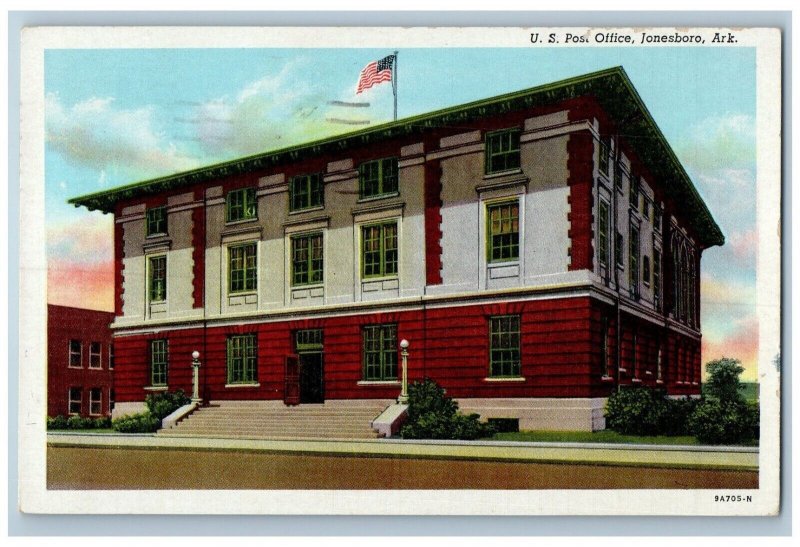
94,133
724,142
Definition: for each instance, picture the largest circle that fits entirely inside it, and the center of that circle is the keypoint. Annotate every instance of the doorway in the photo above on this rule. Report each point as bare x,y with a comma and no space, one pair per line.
308,346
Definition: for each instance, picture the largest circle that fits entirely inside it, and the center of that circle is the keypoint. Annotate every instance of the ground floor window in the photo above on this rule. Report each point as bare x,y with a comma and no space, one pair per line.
75,395
504,345
158,362
380,352
96,401
242,359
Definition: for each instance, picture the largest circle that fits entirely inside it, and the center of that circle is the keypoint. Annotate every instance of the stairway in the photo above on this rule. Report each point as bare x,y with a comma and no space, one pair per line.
274,420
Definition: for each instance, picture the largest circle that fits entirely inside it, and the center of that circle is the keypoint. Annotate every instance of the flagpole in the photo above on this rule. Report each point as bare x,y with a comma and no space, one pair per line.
394,84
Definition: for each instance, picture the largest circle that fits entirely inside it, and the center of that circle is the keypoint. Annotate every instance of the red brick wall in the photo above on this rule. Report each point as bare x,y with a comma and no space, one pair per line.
65,324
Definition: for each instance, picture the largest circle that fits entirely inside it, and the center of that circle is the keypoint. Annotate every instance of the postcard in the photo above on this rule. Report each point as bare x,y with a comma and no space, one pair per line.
388,271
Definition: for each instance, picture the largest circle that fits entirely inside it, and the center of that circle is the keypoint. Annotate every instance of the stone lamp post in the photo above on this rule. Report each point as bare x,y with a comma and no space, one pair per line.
196,377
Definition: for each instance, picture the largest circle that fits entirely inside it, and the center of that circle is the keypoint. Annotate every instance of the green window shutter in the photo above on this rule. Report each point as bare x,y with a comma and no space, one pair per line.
240,205
378,178
602,236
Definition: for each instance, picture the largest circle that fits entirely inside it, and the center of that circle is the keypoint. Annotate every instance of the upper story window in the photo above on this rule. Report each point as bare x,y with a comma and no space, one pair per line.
377,178
619,251
242,357
605,154
503,231
502,151
111,356
95,352
504,346
646,208
306,192
240,205
633,255
618,177
307,259
657,217
156,221
646,270
379,250
157,278
603,233
242,272
75,354
634,193
380,352
657,278
158,362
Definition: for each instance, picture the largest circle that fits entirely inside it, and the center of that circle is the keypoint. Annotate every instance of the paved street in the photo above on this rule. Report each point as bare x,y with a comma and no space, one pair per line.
100,467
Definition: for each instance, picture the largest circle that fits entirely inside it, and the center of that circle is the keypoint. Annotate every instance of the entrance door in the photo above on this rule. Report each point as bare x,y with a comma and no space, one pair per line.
308,345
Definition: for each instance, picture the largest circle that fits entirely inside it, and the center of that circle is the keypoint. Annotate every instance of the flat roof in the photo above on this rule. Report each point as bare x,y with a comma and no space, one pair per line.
611,87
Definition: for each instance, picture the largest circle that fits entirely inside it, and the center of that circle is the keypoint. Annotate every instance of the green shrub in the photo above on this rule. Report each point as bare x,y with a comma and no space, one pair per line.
102,423
77,422
136,423
676,419
637,411
433,415
163,404
724,422
59,422
724,416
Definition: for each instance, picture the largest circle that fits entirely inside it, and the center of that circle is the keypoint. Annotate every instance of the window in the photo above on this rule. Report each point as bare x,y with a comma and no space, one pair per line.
502,151
242,268
308,340
242,359
657,214
503,228
504,350
240,204
659,368
605,153
604,347
634,193
380,352
156,221
158,362
646,209
379,250
619,250
377,178
111,399
646,270
618,176
633,354
95,401
158,278
657,278
75,396
307,259
75,354
95,353
306,191
602,236
633,253
111,356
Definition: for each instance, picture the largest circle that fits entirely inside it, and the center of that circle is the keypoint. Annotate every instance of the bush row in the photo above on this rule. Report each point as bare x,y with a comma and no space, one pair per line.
720,416
77,422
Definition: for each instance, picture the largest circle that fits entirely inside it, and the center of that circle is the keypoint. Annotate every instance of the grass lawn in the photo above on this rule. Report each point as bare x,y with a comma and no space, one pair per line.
605,436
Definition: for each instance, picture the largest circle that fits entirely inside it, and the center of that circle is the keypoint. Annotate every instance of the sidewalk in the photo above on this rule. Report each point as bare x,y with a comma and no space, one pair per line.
696,457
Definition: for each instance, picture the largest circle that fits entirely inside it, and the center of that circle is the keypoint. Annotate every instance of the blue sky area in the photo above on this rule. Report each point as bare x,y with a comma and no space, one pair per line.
118,116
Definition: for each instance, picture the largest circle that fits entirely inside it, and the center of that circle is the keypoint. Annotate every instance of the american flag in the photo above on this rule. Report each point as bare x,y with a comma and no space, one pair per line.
375,73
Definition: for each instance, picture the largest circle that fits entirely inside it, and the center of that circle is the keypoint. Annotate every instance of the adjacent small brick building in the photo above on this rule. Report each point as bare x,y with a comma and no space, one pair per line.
80,362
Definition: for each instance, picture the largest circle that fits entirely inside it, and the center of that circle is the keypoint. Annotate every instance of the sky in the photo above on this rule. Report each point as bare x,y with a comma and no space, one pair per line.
116,116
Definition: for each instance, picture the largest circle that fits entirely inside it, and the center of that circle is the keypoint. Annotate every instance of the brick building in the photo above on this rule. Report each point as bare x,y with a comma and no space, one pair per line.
80,362
537,249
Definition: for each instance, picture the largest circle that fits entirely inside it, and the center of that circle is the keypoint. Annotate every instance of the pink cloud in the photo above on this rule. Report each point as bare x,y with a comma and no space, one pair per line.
741,343
73,283
744,245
